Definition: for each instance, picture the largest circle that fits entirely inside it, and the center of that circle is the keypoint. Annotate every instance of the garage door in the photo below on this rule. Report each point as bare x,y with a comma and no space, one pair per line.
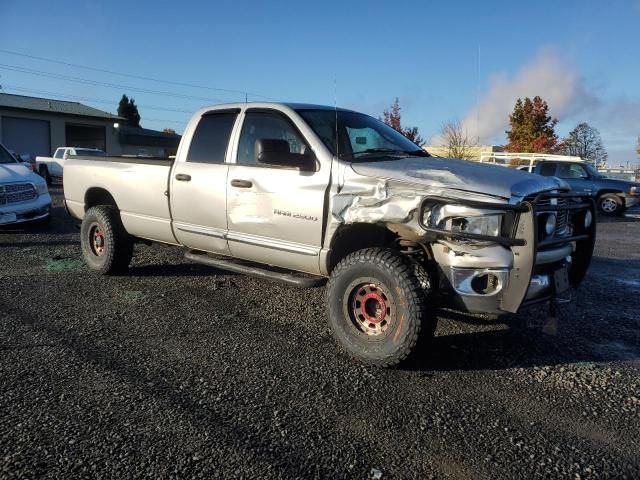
86,136
25,135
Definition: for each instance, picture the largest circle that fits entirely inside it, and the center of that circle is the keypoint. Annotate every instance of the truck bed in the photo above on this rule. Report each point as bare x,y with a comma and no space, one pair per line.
138,187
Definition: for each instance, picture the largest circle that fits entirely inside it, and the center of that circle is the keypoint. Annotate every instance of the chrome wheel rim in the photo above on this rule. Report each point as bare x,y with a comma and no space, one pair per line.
608,205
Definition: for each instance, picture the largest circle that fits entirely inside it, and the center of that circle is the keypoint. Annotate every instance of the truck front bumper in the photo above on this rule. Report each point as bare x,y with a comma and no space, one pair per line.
36,209
492,278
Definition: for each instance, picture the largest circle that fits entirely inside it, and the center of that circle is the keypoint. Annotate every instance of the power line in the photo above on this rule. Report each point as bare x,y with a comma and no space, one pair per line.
139,77
86,81
87,99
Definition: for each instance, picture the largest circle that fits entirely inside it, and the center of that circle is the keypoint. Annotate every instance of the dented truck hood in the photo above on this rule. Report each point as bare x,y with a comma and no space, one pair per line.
459,175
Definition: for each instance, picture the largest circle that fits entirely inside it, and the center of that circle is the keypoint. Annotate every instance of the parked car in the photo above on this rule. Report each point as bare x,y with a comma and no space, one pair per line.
302,193
51,168
23,194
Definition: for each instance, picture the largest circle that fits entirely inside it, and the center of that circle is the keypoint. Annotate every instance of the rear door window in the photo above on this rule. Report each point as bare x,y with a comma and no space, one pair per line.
548,169
211,138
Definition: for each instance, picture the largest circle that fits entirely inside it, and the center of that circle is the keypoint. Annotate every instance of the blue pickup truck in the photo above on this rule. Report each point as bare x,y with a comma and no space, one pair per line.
612,196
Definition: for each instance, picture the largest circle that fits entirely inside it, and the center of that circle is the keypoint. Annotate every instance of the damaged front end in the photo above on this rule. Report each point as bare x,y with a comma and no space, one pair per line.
498,257
493,238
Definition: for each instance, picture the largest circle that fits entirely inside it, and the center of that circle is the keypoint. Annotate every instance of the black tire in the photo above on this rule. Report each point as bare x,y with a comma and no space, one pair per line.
106,247
610,205
44,173
401,320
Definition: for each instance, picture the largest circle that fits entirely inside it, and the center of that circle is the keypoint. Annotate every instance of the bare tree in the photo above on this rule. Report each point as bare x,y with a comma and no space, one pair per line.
585,142
457,140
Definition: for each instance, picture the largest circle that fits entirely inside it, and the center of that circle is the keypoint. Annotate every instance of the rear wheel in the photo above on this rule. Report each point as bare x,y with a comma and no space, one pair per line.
610,204
106,246
379,307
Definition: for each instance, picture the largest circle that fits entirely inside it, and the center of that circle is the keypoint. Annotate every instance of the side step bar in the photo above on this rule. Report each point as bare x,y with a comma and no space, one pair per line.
253,269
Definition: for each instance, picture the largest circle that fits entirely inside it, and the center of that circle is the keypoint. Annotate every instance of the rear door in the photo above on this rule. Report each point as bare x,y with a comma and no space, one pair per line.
199,184
275,213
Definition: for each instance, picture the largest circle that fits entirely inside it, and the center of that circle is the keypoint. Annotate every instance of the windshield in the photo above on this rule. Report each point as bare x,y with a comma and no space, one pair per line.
5,156
361,138
89,153
592,170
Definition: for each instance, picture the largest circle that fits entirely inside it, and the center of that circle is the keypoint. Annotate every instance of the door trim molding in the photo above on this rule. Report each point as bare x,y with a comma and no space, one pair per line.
208,231
273,243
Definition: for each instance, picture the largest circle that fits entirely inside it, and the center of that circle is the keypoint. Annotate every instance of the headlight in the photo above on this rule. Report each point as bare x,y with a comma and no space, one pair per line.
41,188
588,218
634,191
550,224
489,225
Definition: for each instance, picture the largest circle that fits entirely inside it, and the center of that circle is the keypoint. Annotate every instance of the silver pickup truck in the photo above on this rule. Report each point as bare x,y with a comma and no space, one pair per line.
302,193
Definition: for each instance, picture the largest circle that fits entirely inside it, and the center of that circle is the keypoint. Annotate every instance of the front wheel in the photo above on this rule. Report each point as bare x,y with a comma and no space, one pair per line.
106,247
610,204
379,309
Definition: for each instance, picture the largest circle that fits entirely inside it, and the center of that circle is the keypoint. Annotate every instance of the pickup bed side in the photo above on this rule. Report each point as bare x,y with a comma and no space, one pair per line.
137,187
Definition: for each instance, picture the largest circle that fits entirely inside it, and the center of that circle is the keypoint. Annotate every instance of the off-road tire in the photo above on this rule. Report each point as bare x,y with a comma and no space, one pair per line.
407,290
44,173
117,249
607,201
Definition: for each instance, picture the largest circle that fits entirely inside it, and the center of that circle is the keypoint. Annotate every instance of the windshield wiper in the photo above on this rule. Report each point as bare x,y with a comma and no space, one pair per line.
392,151
378,150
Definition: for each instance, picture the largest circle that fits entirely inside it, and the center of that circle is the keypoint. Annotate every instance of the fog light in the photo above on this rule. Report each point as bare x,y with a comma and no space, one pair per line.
550,225
588,218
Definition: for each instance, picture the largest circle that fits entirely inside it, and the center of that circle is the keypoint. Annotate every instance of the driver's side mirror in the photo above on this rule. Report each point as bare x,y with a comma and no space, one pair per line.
273,151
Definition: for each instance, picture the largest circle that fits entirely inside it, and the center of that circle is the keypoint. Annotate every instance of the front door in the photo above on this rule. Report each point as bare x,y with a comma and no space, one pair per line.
275,213
199,185
576,176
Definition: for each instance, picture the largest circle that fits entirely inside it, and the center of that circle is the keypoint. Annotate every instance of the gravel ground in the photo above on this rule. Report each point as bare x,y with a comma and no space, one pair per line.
178,371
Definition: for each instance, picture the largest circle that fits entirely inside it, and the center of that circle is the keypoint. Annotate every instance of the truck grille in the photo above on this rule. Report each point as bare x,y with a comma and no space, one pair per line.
17,192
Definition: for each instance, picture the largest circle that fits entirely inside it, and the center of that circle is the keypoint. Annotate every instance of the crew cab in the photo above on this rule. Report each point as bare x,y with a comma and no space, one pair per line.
50,168
304,193
23,194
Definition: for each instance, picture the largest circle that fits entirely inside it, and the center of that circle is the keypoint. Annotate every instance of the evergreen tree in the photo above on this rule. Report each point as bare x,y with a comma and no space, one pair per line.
128,109
532,128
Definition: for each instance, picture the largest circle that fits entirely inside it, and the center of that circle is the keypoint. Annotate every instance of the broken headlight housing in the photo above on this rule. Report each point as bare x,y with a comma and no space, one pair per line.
489,225
463,220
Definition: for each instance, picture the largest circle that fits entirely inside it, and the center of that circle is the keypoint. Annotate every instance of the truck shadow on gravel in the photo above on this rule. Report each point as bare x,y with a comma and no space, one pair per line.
518,347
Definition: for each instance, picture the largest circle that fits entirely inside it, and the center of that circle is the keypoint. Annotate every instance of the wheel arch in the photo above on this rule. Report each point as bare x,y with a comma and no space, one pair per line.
607,191
98,196
357,236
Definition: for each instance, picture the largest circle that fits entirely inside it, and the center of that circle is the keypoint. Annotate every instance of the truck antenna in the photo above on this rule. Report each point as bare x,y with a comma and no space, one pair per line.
335,109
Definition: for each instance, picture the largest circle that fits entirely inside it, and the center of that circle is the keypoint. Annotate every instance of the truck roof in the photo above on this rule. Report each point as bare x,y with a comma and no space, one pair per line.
291,105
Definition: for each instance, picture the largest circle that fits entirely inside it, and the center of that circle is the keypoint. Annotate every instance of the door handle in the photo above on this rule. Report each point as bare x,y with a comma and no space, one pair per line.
241,183
183,177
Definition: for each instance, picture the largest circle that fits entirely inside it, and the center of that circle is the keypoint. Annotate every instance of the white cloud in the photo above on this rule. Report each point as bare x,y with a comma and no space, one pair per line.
561,85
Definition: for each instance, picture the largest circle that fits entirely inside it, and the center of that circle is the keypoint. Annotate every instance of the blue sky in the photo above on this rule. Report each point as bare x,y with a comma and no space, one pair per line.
582,54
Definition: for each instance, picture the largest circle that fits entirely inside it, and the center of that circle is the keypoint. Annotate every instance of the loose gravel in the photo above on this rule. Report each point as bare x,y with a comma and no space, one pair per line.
180,371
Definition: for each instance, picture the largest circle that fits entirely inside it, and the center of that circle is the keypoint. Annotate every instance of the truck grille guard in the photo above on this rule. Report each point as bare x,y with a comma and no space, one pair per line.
540,203
522,230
